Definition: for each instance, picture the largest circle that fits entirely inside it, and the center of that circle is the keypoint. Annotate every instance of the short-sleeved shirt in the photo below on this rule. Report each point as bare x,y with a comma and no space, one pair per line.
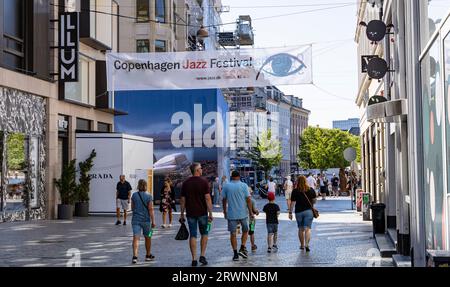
123,189
271,186
140,211
311,182
335,181
301,203
236,194
271,210
194,190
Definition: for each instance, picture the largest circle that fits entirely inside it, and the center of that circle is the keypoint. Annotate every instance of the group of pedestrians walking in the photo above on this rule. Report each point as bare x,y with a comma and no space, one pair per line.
239,209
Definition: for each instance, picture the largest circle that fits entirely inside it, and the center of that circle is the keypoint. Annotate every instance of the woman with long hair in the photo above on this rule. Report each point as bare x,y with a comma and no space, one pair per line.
167,202
303,199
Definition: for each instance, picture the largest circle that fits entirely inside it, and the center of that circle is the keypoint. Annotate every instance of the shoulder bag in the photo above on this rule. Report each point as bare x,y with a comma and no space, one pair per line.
314,211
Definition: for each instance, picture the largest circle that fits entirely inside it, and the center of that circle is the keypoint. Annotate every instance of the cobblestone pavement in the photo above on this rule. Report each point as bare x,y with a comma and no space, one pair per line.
340,238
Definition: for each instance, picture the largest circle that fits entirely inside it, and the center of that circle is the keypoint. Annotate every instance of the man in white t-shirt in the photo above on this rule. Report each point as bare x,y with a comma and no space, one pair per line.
311,181
288,187
271,186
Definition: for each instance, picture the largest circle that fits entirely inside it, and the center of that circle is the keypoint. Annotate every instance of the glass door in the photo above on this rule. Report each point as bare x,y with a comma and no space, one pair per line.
16,170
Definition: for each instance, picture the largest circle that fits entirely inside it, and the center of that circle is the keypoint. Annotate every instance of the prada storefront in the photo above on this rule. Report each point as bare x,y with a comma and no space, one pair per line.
22,155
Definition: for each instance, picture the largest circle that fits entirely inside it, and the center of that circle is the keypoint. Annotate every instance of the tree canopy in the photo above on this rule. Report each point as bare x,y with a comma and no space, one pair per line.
324,148
266,152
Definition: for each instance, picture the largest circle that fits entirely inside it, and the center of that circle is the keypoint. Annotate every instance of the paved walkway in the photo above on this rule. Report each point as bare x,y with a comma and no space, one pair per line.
340,238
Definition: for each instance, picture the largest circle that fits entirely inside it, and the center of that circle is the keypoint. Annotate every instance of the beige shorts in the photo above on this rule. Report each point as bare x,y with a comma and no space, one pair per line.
288,194
122,204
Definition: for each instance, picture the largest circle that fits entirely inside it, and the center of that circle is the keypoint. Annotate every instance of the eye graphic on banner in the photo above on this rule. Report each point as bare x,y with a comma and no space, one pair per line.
281,65
213,69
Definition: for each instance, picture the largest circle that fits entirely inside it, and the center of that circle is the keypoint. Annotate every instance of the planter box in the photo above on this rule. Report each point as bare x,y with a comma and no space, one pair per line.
65,212
82,209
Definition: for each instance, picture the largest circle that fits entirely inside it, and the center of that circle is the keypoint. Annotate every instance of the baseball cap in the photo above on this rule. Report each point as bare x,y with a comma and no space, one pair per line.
271,196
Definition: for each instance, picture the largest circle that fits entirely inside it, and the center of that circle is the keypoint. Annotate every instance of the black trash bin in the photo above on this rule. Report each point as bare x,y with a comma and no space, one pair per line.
378,219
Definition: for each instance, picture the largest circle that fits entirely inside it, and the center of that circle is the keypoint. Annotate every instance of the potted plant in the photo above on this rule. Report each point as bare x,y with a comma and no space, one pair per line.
66,186
82,191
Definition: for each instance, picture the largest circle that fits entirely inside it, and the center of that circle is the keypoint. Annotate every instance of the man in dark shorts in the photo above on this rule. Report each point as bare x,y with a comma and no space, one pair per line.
123,197
196,201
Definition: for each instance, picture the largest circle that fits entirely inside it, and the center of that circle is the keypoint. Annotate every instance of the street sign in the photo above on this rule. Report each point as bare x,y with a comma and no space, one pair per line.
376,30
377,68
68,46
350,154
365,61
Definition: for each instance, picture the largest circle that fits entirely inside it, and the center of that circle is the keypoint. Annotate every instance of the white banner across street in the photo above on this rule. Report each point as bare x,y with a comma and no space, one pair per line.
209,69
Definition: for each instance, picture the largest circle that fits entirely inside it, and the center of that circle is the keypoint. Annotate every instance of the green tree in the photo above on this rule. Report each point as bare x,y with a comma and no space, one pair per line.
266,152
83,187
16,151
324,148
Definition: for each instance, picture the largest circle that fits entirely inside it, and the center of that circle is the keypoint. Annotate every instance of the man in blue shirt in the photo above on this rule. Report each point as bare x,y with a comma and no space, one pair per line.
237,207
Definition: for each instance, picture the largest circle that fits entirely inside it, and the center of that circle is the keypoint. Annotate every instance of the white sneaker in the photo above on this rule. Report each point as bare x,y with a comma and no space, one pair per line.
163,226
169,226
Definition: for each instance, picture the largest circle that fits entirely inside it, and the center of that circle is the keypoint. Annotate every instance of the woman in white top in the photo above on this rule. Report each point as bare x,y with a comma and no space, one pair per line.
288,186
271,186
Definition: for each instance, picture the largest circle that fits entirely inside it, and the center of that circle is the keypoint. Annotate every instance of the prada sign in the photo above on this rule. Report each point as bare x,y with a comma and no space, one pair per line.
68,46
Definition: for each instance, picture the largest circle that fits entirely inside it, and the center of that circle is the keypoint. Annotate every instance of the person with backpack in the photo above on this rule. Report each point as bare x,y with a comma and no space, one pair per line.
143,220
303,200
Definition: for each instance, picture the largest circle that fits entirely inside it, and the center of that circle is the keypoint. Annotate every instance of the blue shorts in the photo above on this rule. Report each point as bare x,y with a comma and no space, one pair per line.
141,227
272,228
304,219
202,223
233,223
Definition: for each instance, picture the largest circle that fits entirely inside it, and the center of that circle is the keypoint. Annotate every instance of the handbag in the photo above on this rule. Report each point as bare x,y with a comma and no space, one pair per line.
183,233
314,211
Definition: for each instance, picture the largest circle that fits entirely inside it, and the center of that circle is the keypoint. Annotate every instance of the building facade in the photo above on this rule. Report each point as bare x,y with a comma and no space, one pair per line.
405,139
299,122
40,115
285,135
346,125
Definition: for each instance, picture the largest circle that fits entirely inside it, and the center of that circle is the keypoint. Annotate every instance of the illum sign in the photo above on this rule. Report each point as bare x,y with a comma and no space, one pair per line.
68,46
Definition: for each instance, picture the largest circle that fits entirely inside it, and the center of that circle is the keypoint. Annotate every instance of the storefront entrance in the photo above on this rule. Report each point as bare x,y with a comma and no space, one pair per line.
22,156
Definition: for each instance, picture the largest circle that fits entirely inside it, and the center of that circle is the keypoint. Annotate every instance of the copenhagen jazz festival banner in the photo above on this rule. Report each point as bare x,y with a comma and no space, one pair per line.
209,69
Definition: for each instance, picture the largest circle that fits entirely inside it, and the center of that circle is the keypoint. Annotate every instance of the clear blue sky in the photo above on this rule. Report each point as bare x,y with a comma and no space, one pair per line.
334,56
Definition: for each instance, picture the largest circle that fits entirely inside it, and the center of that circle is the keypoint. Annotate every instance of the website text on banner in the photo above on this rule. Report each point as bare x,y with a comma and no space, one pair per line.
210,69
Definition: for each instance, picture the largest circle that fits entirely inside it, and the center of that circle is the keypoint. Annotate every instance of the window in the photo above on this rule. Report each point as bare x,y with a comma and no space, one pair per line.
13,33
160,11
83,125
83,91
142,10
433,109
433,13
174,20
142,46
115,27
103,127
160,46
